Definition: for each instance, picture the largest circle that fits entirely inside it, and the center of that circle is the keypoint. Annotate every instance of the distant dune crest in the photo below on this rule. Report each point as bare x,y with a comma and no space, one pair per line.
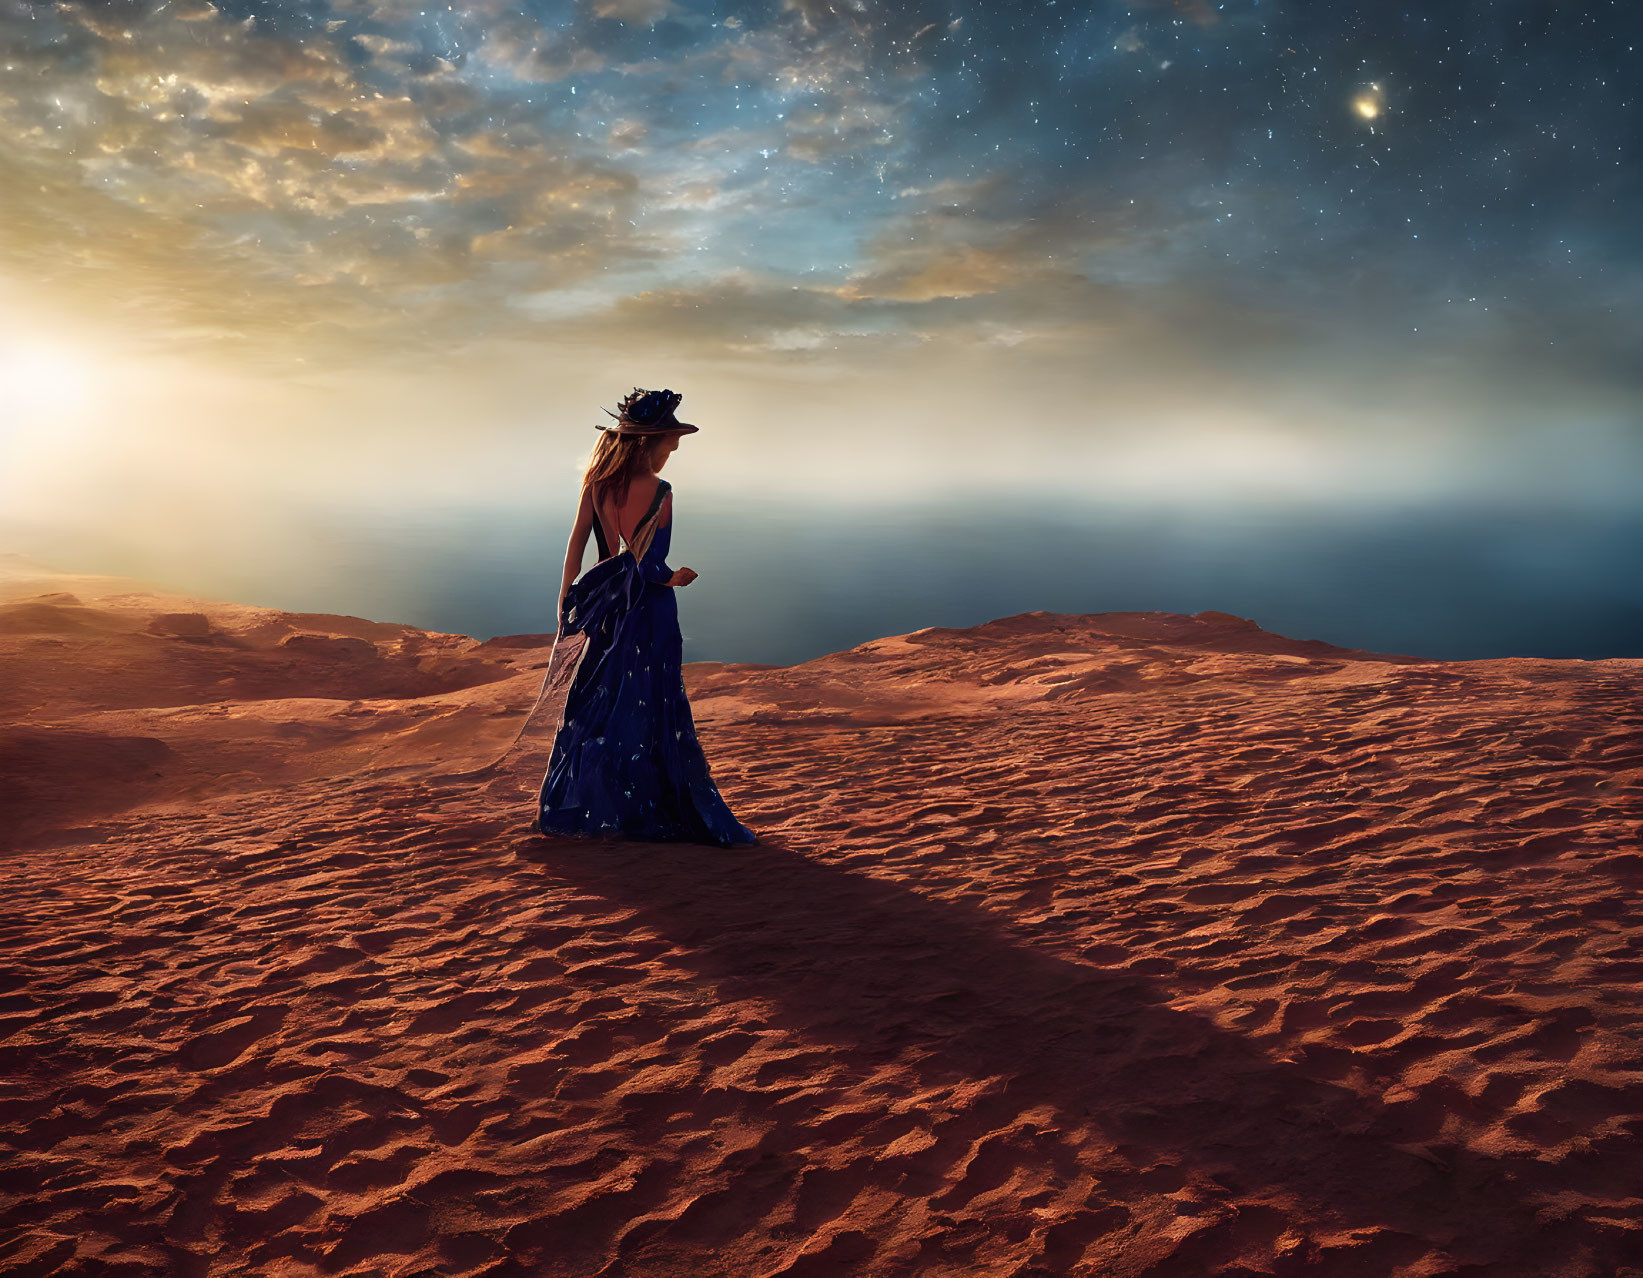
214,697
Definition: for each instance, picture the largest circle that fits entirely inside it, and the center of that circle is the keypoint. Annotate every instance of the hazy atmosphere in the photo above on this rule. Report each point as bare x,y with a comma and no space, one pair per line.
1324,316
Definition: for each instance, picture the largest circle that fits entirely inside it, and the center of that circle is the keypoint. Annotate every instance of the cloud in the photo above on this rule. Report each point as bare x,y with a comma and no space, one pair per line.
371,176
988,235
528,52
363,159
636,13
955,270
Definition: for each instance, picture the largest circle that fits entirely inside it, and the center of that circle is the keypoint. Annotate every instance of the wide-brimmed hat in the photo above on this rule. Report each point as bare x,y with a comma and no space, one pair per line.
647,413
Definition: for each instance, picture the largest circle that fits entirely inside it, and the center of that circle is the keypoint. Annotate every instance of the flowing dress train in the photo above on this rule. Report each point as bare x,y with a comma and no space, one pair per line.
626,762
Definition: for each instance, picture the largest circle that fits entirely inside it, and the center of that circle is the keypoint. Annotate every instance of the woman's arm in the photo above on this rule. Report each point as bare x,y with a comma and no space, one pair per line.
577,547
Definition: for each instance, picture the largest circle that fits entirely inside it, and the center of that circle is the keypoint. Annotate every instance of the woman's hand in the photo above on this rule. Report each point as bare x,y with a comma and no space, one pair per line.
682,577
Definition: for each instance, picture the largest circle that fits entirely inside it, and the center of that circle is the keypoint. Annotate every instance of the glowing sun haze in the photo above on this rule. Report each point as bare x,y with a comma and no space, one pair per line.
298,265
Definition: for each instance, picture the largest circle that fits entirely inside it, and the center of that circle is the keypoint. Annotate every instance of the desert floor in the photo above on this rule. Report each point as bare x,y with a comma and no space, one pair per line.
1131,943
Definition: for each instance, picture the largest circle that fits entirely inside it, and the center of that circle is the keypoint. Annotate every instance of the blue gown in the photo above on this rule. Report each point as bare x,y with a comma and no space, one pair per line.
626,762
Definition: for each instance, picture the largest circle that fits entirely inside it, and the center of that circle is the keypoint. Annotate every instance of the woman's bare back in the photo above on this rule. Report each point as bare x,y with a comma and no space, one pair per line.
621,523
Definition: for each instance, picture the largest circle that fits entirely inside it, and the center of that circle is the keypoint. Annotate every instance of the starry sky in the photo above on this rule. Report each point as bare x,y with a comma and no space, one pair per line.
315,303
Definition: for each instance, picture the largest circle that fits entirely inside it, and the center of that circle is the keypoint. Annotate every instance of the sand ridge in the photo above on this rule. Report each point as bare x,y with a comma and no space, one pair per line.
1167,947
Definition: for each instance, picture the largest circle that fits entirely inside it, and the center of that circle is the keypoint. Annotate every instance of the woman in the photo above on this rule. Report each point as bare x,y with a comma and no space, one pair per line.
625,761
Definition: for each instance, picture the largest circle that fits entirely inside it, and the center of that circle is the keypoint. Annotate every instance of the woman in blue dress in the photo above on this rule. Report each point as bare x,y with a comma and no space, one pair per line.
626,762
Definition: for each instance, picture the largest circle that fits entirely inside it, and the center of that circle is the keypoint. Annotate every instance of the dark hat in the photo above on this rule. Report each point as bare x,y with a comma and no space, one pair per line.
648,413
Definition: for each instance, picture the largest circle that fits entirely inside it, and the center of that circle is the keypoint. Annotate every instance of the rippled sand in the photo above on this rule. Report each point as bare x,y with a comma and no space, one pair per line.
1114,944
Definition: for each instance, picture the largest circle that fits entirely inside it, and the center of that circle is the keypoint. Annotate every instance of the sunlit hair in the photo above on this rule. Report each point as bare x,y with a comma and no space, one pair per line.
615,461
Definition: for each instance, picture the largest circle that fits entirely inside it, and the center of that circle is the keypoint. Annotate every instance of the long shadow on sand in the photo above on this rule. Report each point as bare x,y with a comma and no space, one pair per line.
884,975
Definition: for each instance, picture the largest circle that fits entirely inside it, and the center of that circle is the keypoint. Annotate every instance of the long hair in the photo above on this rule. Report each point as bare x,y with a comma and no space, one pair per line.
615,461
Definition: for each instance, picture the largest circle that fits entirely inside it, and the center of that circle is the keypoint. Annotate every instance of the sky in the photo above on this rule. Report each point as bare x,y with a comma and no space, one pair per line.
316,304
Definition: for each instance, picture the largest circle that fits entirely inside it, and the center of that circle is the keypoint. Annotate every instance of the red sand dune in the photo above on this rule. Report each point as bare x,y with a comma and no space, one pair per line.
1118,944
